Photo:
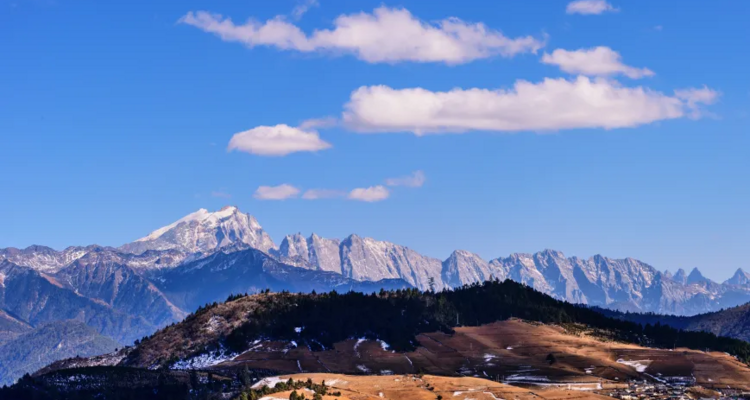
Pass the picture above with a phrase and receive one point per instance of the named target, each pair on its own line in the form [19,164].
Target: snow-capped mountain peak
[205,231]
[740,277]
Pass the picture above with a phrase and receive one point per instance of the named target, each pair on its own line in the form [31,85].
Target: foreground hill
[499,330]
[318,321]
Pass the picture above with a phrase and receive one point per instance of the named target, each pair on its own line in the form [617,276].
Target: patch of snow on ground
[356,345]
[526,378]
[489,357]
[271,381]
[213,323]
[294,343]
[386,372]
[363,368]
[299,329]
[639,365]
[204,360]
[509,348]
[384,345]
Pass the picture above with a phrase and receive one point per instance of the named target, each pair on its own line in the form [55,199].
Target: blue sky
[116,118]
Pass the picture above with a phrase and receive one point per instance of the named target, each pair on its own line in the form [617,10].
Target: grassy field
[513,351]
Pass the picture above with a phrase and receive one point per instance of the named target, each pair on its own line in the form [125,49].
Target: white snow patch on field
[526,378]
[639,365]
[204,360]
[271,381]
[363,368]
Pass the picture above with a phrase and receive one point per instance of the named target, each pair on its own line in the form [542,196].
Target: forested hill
[396,317]
[732,322]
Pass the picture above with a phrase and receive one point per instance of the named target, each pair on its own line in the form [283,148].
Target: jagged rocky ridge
[627,284]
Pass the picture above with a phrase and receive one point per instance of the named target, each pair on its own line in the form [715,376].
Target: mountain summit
[740,277]
[204,231]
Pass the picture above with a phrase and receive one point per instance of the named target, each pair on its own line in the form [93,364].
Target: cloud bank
[387,35]
[370,194]
[597,61]
[416,179]
[281,192]
[549,105]
[278,140]
[590,7]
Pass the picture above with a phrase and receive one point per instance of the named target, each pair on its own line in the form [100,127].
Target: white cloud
[370,194]
[550,105]
[388,35]
[694,98]
[595,61]
[325,122]
[278,140]
[303,7]
[416,179]
[281,192]
[221,195]
[590,7]
[318,194]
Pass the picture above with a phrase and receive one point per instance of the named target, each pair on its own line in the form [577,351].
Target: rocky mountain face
[43,258]
[102,277]
[740,278]
[213,278]
[627,284]
[362,259]
[36,299]
[204,232]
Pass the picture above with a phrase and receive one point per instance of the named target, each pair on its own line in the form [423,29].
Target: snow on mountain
[204,231]
[373,260]
[696,277]
[680,276]
[625,284]
[43,258]
[315,252]
[463,267]
[740,278]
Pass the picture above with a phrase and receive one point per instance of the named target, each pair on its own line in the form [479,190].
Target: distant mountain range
[128,292]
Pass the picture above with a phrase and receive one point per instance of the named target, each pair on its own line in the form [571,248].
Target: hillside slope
[319,321]
[31,351]
[733,322]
